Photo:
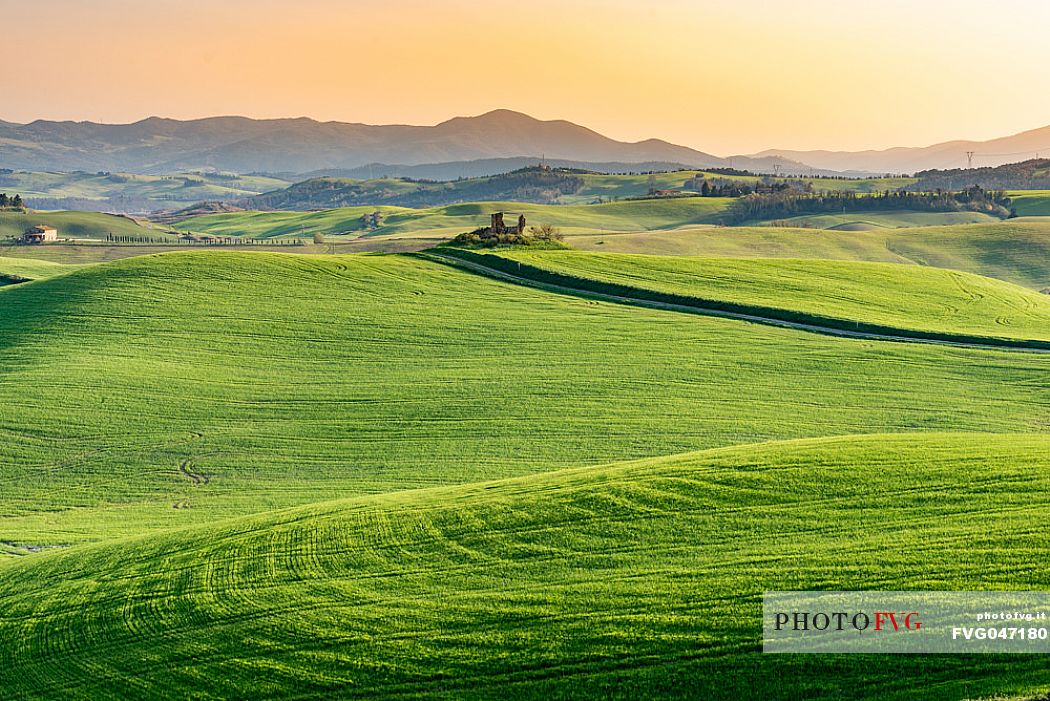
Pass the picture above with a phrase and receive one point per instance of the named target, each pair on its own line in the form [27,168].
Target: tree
[16,201]
[318,238]
[546,233]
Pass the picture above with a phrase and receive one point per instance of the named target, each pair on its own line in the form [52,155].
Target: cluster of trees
[978,199]
[13,202]
[372,221]
[1033,174]
[546,232]
[118,238]
[790,203]
[732,171]
[219,175]
[724,187]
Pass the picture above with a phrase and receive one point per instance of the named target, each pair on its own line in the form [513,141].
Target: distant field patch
[856,226]
[884,220]
[140,192]
[79,225]
[1015,250]
[29,268]
[1031,203]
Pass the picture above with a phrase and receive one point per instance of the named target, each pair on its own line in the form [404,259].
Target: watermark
[905,622]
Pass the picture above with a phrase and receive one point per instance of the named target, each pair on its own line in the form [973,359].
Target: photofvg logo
[905,622]
[860,621]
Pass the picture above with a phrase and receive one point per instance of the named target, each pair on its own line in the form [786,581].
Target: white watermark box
[906,622]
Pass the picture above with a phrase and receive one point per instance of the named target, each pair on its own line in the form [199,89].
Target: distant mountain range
[494,142]
[463,147]
[944,156]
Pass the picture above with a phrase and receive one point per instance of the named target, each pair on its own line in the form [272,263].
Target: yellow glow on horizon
[725,79]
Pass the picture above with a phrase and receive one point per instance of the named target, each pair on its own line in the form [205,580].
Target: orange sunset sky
[722,77]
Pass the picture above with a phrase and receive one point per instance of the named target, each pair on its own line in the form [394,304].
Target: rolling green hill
[864,221]
[129,191]
[610,187]
[248,475]
[79,225]
[149,385]
[16,269]
[629,580]
[1016,250]
[439,223]
[1031,203]
[935,301]
[531,184]
[536,185]
[444,222]
[746,242]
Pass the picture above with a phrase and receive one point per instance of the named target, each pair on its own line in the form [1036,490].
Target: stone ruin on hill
[498,228]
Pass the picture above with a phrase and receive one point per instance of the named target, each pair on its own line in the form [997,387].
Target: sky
[722,77]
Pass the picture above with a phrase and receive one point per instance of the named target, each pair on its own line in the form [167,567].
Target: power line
[1036,151]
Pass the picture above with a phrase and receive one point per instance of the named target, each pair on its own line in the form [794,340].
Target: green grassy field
[1031,203]
[102,252]
[746,242]
[931,300]
[403,374]
[247,474]
[1016,250]
[441,223]
[330,192]
[169,191]
[177,190]
[444,222]
[79,225]
[867,221]
[98,252]
[30,268]
[860,184]
[629,580]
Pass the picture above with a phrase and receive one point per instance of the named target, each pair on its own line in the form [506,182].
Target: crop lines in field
[288,476]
